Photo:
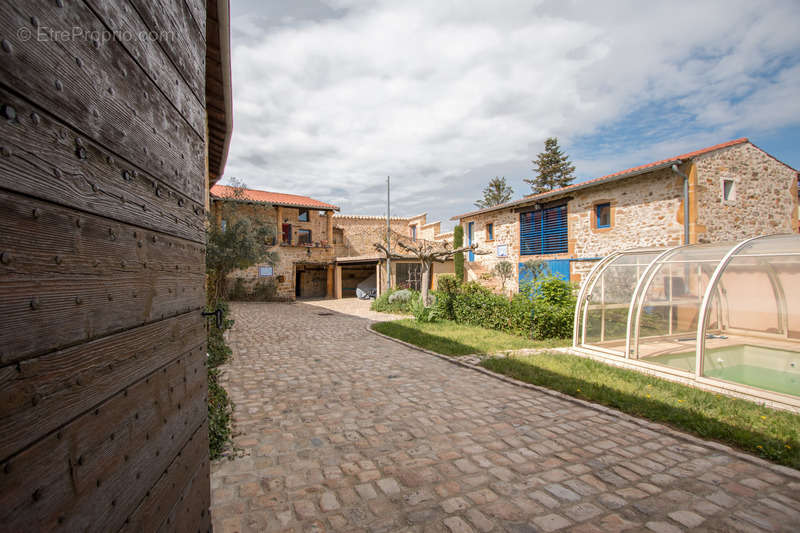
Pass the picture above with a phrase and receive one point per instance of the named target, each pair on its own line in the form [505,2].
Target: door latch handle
[217,313]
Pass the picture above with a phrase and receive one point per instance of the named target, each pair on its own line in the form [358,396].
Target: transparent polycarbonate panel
[670,305]
[608,299]
[788,272]
[753,337]
[771,245]
[749,290]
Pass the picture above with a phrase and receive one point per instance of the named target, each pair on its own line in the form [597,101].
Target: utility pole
[388,240]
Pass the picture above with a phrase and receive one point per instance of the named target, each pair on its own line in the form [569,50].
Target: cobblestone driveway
[341,430]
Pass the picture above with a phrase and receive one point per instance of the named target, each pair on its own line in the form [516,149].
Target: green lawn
[772,434]
[449,338]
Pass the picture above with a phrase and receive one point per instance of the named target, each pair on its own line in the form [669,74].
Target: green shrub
[458,259]
[555,291]
[448,283]
[505,271]
[478,306]
[384,304]
[448,287]
[220,410]
[553,308]
[421,312]
[220,407]
[521,316]
[552,321]
[542,310]
[400,297]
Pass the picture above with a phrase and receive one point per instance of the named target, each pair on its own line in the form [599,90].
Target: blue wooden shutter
[544,231]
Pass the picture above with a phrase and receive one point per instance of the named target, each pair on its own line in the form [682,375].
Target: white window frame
[731,199]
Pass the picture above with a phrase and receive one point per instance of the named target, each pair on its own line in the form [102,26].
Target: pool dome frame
[705,278]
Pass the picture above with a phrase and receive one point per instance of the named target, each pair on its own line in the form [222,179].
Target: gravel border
[647,424]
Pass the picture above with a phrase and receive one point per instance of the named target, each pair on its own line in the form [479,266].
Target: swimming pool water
[757,366]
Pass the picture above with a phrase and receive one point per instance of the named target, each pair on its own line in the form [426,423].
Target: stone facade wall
[284,271]
[426,231]
[647,211]
[506,233]
[764,198]
[356,235]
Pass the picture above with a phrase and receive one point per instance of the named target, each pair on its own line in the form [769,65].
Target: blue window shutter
[543,232]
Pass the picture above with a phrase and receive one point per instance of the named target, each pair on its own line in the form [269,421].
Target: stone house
[357,260]
[321,254]
[303,239]
[726,192]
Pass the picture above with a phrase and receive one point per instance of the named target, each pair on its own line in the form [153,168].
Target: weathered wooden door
[102,188]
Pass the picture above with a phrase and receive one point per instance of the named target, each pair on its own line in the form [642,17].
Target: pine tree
[552,167]
[496,193]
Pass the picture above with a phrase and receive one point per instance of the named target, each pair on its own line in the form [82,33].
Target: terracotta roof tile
[275,198]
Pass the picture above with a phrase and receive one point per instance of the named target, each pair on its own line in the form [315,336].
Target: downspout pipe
[677,171]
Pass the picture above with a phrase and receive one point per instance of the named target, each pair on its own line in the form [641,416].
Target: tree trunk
[426,280]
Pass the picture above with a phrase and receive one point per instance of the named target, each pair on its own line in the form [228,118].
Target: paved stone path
[341,430]
[355,307]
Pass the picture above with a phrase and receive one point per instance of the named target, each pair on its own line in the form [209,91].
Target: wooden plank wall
[103,418]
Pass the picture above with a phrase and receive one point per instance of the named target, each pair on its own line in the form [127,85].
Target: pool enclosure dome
[724,315]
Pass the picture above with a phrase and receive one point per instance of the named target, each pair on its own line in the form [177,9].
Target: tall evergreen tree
[458,259]
[553,168]
[496,193]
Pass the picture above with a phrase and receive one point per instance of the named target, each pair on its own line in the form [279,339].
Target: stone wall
[647,211]
[284,271]
[644,212]
[506,233]
[356,235]
[764,199]
[426,231]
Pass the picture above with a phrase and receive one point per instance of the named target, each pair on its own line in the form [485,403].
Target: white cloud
[437,93]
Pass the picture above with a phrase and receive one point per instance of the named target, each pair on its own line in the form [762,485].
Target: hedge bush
[542,310]
[402,305]
[400,297]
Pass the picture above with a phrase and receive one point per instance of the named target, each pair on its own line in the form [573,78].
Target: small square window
[728,190]
[303,215]
[265,271]
[603,214]
[304,236]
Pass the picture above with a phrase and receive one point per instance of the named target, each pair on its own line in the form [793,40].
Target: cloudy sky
[331,96]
